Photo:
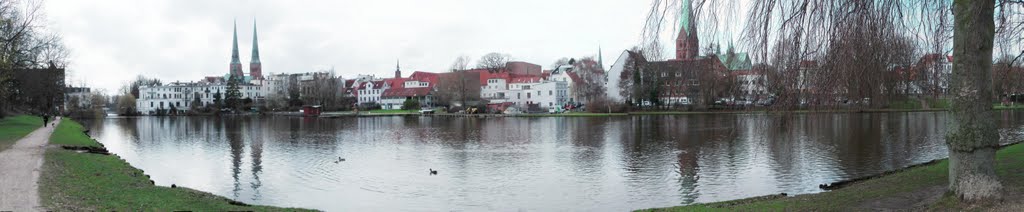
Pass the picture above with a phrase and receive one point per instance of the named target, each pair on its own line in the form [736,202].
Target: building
[932,74]
[419,86]
[39,89]
[77,97]
[181,96]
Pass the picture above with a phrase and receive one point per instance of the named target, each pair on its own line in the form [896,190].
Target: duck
[340,160]
[433,172]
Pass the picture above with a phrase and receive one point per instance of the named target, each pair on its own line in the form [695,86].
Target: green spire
[234,45]
[255,45]
[686,16]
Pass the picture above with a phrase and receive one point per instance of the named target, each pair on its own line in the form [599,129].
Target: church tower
[687,43]
[398,69]
[236,65]
[255,69]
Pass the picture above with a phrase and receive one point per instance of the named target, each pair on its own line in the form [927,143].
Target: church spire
[236,64]
[255,45]
[600,57]
[398,69]
[255,68]
[687,43]
[686,18]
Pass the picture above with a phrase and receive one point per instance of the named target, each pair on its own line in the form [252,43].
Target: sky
[112,41]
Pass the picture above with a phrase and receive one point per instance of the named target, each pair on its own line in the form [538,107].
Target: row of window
[369,99]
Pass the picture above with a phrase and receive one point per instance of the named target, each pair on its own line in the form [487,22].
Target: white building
[612,86]
[181,96]
[370,92]
[526,91]
[495,90]
[751,85]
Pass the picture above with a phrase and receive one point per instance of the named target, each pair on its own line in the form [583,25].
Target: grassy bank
[572,114]
[16,127]
[1008,107]
[72,181]
[920,188]
[395,111]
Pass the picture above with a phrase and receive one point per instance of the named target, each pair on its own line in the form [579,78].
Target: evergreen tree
[217,99]
[233,97]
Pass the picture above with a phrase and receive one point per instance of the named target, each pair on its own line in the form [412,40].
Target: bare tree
[24,43]
[324,89]
[560,62]
[493,62]
[459,86]
[592,80]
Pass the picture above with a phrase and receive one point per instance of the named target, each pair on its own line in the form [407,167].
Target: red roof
[406,92]
[525,79]
[486,75]
[575,77]
[424,77]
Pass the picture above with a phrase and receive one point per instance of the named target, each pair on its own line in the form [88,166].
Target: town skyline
[299,43]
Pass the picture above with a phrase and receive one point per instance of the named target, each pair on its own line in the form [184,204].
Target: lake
[532,164]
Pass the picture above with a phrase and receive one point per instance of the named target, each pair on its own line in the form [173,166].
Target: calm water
[533,164]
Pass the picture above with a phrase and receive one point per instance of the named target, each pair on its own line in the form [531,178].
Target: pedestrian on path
[46,120]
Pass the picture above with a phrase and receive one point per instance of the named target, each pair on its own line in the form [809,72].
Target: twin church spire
[255,68]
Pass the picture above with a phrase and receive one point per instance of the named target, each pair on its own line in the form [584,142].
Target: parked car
[512,111]
[426,111]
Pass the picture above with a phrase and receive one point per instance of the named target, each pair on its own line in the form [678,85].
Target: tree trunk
[972,138]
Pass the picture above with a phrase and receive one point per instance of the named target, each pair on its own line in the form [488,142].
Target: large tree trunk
[972,139]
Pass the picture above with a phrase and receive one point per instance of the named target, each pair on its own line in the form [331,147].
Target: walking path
[19,171]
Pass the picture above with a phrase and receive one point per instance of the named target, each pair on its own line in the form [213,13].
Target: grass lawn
[920,188]
[572,114]
[909,104]
[72,181]
[394,111]
[16,127]
[999,106]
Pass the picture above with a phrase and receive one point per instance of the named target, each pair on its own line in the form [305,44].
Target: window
[550,93]
[528,95]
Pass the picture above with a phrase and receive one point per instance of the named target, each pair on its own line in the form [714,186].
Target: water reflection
[547,164]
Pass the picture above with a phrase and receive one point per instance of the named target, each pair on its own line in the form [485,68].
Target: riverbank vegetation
[919,188]
[16,127]
[75,181]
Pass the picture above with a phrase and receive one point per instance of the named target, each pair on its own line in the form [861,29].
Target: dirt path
[19,171]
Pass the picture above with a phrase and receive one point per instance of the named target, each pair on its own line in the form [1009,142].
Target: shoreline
[341,114]
[901,189]
[78,173]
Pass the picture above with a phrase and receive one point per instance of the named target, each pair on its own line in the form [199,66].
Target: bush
[411,104]
[369,106]
[604,105]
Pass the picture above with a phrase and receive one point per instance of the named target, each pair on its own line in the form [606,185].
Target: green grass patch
[1010,168]
[999,106]
[938,103]
[909,104]
[16,127]
[69,133]
[72,181]
[572,114]
[394,111]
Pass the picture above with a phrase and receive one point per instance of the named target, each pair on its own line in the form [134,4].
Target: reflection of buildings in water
[649,156]
[232,132]
[256,135]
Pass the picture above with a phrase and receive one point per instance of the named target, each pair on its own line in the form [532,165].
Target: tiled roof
[406,92]
[525,79]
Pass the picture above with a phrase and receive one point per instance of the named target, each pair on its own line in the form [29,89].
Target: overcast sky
[112,41]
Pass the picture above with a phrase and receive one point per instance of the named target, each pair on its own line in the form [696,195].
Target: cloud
[114,40]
